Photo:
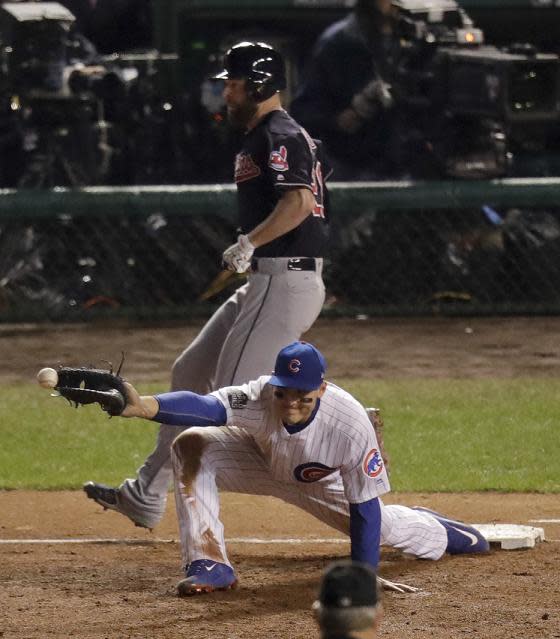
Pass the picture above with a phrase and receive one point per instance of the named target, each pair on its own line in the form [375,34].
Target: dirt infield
[126,588]
[382,348]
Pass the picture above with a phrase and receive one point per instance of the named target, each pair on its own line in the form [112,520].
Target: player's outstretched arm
[144,406]
[178,408]
[83,385]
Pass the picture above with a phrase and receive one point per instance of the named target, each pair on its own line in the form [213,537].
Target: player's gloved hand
[238,256]
[83,385]
[374,96]
[395,586]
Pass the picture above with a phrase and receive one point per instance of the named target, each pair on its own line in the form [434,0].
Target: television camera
[71,117]
[41,119]
[466,108]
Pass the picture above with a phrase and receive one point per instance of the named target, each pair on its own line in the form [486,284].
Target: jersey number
[317,187]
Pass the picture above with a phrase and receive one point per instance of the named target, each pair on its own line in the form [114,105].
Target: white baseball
[47,377]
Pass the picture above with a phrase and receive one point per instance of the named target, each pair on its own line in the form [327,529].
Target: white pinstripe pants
[209,459]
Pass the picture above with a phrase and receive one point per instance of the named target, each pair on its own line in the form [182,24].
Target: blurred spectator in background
[345,98]
[82,10]
[114,25]
[349,605]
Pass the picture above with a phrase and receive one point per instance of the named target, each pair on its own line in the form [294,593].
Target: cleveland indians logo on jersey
[312,471]
[373,463]
[245,168]
[278,159]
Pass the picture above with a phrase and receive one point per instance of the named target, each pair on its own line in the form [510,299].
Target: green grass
[458,435]
[47,444]
[442,435]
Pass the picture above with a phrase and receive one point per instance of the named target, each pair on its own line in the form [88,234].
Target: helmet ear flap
[260,91]
[253,90]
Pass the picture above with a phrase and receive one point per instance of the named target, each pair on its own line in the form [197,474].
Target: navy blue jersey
[277,155]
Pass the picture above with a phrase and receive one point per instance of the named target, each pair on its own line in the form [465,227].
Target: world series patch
[237,399]
[245,168]
[312,471]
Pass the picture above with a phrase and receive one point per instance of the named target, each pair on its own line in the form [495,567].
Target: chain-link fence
[472,248]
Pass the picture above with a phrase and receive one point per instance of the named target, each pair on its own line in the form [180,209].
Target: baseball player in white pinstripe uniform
[294,436]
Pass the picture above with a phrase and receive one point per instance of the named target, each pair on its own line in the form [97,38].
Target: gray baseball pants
[239,343]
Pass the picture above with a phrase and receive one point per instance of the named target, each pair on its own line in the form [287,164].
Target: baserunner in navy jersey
[282,208]
[294,436]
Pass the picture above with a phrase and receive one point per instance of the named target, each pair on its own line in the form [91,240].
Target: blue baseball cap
[299,365]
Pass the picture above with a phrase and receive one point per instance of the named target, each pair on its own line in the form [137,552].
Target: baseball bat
[218,284]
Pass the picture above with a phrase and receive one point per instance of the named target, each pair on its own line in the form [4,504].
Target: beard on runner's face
[240,114]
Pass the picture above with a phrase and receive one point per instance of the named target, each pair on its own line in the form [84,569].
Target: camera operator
[114,25]
[81,10]
[121,25]
[345,98]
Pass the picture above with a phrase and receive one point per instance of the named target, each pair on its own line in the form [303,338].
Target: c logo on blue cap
[294,366]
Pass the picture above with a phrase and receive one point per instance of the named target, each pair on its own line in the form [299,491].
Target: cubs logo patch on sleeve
[373,463]
[312,471]
[278,159]
[237,399]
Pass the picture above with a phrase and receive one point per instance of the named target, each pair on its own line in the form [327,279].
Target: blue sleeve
[365,531]
[183,408]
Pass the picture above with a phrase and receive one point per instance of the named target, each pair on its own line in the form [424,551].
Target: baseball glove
[92,385]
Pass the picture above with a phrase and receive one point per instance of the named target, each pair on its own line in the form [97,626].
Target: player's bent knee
[188,448]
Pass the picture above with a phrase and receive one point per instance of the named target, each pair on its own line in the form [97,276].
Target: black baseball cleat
[461,538]
[103,495]
[108,497]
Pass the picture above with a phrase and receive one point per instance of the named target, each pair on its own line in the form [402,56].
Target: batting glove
[238,256]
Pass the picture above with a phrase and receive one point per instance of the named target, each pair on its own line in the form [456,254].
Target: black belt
[292,264]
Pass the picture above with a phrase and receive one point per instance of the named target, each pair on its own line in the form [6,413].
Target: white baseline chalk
[142,542]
